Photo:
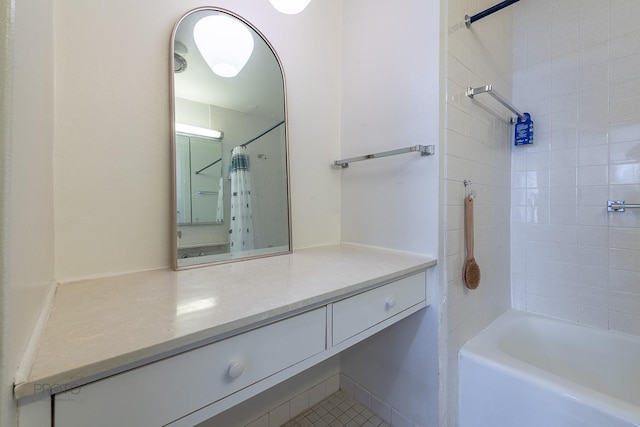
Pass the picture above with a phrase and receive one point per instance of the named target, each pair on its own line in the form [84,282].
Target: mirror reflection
[230,162]
[200,185]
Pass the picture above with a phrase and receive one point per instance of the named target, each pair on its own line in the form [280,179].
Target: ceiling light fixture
[290,7]
[225,43]
[195,130]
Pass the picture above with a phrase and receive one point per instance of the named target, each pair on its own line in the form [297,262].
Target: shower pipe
[468,20]
[243,145]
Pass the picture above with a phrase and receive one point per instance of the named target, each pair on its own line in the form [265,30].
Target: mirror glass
[231,196]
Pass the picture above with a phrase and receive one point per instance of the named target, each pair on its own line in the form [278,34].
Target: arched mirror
[229,143]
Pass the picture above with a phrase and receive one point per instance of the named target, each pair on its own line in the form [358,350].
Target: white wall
[104,184]
[578,74]
[478,148]
[26,193]
[390,99]
[112,127]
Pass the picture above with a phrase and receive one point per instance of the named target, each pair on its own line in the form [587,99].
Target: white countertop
[102,326]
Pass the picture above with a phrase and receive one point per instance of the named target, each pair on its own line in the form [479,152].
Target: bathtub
[527,370]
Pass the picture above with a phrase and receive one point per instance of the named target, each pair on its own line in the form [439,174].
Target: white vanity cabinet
[161,392]
[358,313]
[310,306]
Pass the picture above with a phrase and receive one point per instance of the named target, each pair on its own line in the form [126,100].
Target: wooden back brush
[471,269]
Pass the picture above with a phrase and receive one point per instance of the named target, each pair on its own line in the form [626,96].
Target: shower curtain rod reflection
[243,145]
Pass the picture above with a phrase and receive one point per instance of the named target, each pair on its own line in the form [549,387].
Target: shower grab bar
[620,206]
[207,193]
[468,20]
[471,92]
[424,150]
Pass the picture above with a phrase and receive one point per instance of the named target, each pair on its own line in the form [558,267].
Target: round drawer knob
[235,369]
[389,303]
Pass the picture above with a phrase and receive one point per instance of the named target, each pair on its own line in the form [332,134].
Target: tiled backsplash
[578,73]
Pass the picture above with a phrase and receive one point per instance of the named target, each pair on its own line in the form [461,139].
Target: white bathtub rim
[483,349]
[556,384]
[516,313]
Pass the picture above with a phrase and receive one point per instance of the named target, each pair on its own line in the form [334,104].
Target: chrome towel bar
[471,92]
[424,150]
[620,206]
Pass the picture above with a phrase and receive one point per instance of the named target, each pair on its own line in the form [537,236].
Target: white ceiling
[257,89]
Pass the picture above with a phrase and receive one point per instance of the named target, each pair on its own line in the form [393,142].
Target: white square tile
[592,195]
[593,155]
[624,322]
[589,275]
[624,131]
[563,177]
[624,280]
[299,404]
[263,421]
[625,107]
[622,14]
[560,214]
[399,420]
[593,256]
[624,259]
[593,236]
[279,415]
[362,395]
[625,152]
[593,316]
[624,173]
[381,408]
[332,384]
[624,302]
[592,175]
[624,238]
[593,297]
[563,196]
[317,393]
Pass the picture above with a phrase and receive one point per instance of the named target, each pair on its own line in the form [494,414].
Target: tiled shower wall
[477,148]
[577,70]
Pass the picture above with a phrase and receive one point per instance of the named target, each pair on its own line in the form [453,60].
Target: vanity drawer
[360,312]
[158,393]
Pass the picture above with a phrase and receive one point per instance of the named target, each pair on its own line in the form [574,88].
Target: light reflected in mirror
[231,197]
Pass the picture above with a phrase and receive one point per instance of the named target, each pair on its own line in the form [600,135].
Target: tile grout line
[337,410]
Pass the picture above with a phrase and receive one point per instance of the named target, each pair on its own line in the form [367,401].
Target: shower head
[179,63]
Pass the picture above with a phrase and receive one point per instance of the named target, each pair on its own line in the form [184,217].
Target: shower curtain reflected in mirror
[241,221]
[220,205]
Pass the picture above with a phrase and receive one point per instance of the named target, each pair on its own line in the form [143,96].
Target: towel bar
[620,206]
[425,150]
[471,92]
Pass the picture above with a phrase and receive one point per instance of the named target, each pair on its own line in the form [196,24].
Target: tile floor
[337,410]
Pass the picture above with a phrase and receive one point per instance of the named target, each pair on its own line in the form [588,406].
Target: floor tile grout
[337,410]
